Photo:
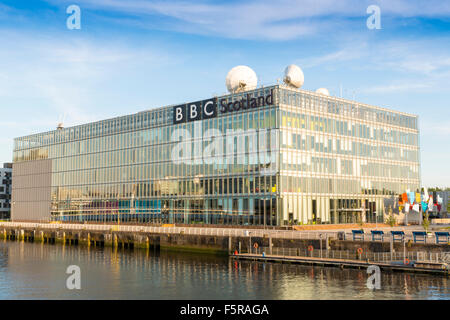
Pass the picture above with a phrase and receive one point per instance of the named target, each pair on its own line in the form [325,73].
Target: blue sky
[138,54]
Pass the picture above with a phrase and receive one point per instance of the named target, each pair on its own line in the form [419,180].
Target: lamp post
[404,250]
[118,210]
[376,220]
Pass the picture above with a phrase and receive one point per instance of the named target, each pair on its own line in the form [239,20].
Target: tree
[426,222]
[390,220]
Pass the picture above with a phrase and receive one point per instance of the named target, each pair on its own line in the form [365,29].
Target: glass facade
[302,158]
[340,158]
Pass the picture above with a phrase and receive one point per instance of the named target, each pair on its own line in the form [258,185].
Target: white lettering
[374,21]
[179,114]
[73,21]
[374,281]
[193,111]
[206,110]
[74,280]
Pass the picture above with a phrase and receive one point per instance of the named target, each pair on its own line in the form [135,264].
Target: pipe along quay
[279,246]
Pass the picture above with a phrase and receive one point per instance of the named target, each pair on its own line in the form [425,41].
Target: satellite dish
[241,78]
[293,76]
[323,91]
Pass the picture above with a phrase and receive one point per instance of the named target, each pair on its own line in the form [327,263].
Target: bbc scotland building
[281,156]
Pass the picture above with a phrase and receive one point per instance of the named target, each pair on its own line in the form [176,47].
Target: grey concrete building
[5,191]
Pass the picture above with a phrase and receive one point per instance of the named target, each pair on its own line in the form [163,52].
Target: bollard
[115,244]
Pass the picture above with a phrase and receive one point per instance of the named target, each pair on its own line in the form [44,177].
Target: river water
[38,271]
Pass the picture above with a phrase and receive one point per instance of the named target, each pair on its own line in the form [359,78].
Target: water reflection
[37,271]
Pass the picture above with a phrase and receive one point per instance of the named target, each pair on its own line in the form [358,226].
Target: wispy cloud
[411,65]
[344,54]
[65,75]
[391,88]
[262,19]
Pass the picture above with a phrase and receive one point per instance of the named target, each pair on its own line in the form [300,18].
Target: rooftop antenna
[60,124]
[340,90]
[293,76]
[323,91]
[241,78]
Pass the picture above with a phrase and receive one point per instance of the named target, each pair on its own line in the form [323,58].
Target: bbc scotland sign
[207,109]
[193,111]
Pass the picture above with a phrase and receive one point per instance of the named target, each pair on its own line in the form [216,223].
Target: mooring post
[115,240]
[270,245]
[229,243]
[89,239]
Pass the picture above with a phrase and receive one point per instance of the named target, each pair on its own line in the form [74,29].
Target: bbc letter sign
[193,111]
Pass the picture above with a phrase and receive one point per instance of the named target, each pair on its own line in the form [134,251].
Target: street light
[376,220]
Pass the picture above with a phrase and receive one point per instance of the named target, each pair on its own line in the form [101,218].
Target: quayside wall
[208,240]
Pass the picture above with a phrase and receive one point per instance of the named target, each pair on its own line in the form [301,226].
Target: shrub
[390,220]
[426,223]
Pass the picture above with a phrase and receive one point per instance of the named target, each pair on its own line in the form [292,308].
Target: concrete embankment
[209,240]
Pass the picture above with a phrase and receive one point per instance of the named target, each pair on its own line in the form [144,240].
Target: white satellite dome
[293,76]
[323,91]
[241,78]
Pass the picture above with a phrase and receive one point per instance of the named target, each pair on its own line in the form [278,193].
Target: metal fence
[225,232]
[412,256]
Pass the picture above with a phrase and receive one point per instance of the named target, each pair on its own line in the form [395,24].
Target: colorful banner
[425,193]
[424,206]
[430,204]
[418,197]
[407,205]
[404,197]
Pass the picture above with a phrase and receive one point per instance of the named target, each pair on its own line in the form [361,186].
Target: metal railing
[225,232]
[388,257]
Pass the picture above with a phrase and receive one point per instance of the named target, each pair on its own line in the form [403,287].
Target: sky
[129,56]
